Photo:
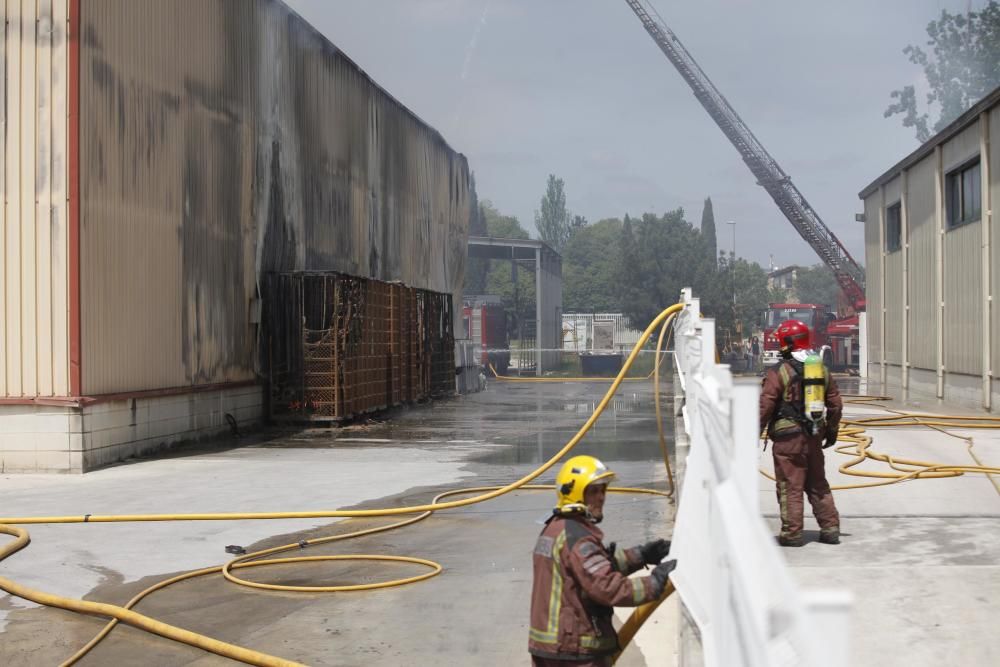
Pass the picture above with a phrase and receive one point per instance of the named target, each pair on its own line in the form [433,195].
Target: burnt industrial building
[204,200]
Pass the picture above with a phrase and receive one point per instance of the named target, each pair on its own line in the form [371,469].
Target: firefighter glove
[655,551]
[831,438]
[661,572]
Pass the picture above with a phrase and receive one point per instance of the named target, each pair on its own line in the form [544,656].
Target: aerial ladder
[850,276]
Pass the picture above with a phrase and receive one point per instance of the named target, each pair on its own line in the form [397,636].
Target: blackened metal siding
[223,139]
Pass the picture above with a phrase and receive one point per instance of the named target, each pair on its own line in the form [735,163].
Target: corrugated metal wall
[34,332]
[224,139]
[893,288]
[994,130]
[873,277]
[963,265]
[963,294]
[921,222]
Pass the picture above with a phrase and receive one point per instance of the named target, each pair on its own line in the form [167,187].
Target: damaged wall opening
[339,346]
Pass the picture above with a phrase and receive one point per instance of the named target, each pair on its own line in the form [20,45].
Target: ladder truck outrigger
[838,338]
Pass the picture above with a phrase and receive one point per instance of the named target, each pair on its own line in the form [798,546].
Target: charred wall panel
[226,139]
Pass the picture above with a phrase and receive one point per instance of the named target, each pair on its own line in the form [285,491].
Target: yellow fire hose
[507,378]
[9,525]
[853,432]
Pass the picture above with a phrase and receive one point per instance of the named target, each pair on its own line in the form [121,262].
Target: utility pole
[732,269]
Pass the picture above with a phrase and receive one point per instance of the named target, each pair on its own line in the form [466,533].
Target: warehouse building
[933,264]
[160,168]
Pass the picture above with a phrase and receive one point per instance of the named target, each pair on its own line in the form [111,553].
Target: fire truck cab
[835,339]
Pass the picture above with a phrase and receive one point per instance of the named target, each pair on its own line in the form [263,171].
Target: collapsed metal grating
[339,346]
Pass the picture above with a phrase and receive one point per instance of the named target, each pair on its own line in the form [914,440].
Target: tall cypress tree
[708,231]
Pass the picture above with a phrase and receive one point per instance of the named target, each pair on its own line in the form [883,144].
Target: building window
[893,228]
[963,194]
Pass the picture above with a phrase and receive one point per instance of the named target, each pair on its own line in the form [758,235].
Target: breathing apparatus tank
[814,390]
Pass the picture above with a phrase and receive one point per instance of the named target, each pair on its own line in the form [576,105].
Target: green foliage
[708,229]
[752,296]
[476,268]
[518,298]
[590,266]
[963,66]
[554,222]
[661,255]
[816,284]
[502,226]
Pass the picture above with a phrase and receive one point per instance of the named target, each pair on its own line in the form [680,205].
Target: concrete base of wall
[47,439]
[960,390]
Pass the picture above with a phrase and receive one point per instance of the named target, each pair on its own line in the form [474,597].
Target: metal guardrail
[735,586]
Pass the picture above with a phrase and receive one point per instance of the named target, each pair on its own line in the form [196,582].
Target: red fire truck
[486,324]
[836,339]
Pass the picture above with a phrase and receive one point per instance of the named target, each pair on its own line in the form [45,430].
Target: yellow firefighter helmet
[574,477]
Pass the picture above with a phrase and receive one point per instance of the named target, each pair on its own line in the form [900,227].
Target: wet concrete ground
[475,613]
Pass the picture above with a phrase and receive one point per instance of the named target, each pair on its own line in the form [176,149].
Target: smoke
[470,50]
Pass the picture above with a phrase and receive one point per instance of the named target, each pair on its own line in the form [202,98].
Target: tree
[477,268]
[518,298]
[708,229]
[744,316]
[590,265]
[553,221]
[963,66]
[659,256]
[817,284]
[502,226]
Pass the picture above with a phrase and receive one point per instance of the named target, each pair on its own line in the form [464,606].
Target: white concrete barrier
[732,578]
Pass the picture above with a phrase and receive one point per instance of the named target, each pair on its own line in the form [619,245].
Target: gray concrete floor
[475,613]
[922,558]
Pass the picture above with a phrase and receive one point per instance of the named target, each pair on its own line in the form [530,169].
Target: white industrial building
[933,263]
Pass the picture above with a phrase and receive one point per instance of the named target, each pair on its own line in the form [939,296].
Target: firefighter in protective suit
[801,434]
[577,580]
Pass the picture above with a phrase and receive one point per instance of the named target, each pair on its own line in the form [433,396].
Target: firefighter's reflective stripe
[595,563]
[551,633]
[621,560]
[638,591]
[783,508]
[586,641]
[599,643]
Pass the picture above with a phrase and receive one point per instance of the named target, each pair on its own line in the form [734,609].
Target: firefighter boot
[829,536]
[790,540]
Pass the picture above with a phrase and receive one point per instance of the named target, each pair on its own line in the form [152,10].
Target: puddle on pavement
[633,444]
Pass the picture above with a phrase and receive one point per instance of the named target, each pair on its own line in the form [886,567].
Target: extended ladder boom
[769,174]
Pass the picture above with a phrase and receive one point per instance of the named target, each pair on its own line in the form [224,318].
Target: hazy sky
[525,88]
